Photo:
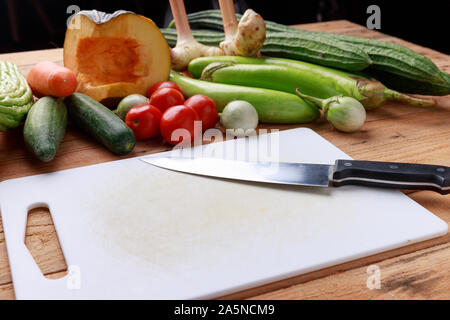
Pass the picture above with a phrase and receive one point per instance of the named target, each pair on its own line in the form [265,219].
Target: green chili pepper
[272,106]
[287,75]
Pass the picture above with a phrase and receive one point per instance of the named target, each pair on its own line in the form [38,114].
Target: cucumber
[387,57]
[101,123]
[45,127]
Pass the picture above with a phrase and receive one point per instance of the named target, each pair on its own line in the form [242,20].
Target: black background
[41,23]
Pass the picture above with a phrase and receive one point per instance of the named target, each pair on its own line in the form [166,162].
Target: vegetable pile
[117,84]
[398,67]
[168,114]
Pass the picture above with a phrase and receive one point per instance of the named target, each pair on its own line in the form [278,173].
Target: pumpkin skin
[115,55]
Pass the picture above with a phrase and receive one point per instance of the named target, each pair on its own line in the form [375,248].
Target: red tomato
[163,84]
[206,109]
[179,117]
[144,121]
[165,98]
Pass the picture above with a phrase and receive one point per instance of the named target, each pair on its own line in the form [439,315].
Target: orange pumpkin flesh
[123,55]
[107,60]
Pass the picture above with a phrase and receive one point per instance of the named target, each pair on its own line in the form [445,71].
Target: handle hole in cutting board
[43,244]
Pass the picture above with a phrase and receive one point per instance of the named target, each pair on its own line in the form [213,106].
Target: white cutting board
[131,230]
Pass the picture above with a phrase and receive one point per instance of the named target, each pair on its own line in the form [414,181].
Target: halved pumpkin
[115,55]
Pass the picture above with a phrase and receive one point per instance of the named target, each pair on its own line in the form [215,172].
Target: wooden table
[393,132]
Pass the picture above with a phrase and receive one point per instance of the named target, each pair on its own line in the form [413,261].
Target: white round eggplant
[239,114]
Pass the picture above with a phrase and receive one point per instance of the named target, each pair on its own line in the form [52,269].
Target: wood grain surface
[394,132]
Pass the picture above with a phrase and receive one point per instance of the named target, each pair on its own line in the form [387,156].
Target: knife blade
[342,172]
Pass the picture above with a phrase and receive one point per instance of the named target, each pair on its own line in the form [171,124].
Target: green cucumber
[45,127]
[101,123]
[272,106]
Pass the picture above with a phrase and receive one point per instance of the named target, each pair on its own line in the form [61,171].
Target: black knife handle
[392,175]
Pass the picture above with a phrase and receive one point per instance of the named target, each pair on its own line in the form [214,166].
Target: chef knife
[343,172]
